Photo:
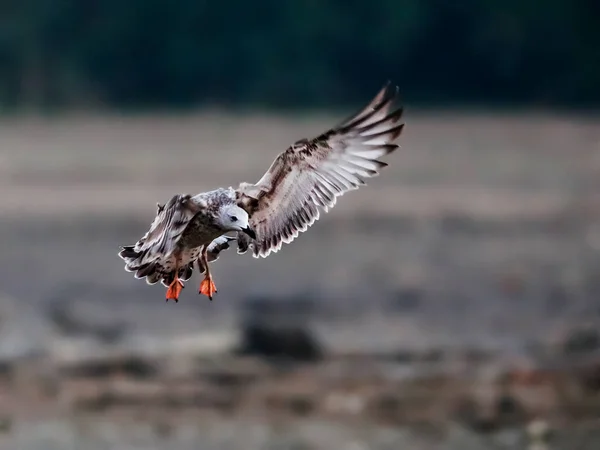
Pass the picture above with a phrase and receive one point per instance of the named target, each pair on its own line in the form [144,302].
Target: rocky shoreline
[243,378]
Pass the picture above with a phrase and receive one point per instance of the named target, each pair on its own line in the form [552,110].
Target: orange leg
[175,287]
[207,286]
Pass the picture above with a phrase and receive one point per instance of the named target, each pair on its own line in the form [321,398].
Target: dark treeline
[177,53]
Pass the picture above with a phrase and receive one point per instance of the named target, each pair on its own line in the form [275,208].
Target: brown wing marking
[311,174]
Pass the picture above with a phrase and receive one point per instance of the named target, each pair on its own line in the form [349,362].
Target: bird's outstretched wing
[311,174]
[160,240]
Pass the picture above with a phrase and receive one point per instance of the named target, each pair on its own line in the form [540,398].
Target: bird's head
[233,218]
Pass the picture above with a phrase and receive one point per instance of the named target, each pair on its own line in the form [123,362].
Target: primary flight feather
[189,231]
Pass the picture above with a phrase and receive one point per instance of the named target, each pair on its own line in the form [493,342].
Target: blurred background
[451,304]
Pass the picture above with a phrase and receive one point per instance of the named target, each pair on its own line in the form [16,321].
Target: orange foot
[174,289]
[207,287]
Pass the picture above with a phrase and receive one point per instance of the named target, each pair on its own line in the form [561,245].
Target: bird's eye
[233,218]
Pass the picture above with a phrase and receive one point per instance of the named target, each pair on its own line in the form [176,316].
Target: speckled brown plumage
[303,180]
[312,173]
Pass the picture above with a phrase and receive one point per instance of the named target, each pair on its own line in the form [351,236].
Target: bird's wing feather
[311,174]
[165,231]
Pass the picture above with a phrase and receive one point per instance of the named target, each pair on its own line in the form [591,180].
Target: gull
[191,230]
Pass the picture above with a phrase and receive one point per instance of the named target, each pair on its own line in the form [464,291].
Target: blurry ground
[475,257]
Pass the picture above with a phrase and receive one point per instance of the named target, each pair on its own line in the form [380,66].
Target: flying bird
[189,231]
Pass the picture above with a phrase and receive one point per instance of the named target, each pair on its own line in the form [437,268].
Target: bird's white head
[233,218]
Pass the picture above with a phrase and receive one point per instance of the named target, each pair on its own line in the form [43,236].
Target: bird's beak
[250,232]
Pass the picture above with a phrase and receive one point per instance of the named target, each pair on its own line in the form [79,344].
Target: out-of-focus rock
[589,376]
[408,299]
[581,341]
[295,404]
[488,406]
[6,424]
[7,371]
[122,365]
[467,413]
[281,342]
[276,328]
[509,411]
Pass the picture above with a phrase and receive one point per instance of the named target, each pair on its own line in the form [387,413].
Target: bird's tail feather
[154,272]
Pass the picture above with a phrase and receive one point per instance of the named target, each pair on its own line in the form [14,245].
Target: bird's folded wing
[168,226]
[311,174]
